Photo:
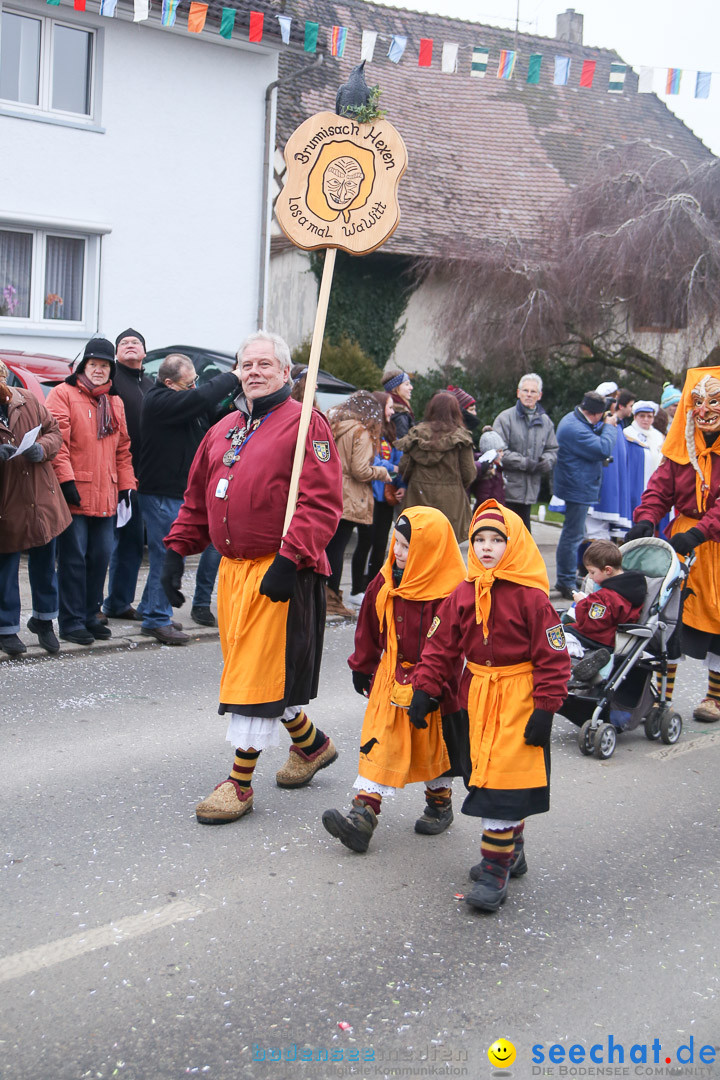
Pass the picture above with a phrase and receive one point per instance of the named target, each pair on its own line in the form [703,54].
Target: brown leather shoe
[128,615]
[708,711]
[334,604]
[227,802]
[166,635]
[300,768]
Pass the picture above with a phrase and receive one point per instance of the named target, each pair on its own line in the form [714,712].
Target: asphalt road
[139,944]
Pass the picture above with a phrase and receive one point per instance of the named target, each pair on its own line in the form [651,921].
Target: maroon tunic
[523,626]
[247,523]
[598,616]
[674,485]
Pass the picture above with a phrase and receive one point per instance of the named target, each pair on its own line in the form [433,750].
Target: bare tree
[635,248]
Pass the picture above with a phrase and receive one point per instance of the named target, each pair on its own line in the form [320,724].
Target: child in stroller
[635,689]
[594,617]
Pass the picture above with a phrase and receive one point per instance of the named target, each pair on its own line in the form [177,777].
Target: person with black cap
[586,438]
[132,384]
[94,468]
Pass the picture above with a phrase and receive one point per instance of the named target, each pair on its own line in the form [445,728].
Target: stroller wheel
[670,727]
[586,739]
[605,739]
[652,724]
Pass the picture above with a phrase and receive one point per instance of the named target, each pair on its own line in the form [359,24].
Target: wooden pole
[310,384]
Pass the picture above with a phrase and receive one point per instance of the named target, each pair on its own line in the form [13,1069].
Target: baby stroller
[628,696]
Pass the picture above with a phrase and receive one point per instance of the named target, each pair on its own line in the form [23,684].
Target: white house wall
[176,174]
[292,298]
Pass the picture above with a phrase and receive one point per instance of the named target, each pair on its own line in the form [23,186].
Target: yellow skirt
[392,751]
[253,632]
[499,705]
[701,609]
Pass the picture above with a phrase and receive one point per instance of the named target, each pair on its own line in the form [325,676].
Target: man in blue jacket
[586,438]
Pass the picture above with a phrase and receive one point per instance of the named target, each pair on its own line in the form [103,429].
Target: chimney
[569,27]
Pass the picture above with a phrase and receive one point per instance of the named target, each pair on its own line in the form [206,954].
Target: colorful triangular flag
[285,24]
[169,11]
[426,49]
[506,64]
[702,84]
[107,7]
[534,65]
[562,70]
[398,45]
[338,37]
[196,17]
[257,21]
[587,73]
[616,81]
[672,83]
[449,58]
[311,36]
[79,5]
[367,49]
[227,22]
[479,64]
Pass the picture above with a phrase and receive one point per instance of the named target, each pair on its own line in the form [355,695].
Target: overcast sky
[647,33]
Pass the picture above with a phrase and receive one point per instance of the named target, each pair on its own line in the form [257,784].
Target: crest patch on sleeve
[556,638]
[597,611]
[433,626]
[322,449]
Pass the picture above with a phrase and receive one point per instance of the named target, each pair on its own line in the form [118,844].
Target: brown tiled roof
[487,157]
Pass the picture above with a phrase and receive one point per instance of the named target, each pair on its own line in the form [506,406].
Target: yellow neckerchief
[433,569]
[521,562]
[675,447]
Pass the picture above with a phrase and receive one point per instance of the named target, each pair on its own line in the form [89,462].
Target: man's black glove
[278,583]
[171,577]
[71,493]
[34,453]
[639,530]
[538,727]
[420,706]
[7,450]
[124,496]
[685,542]
[361,683]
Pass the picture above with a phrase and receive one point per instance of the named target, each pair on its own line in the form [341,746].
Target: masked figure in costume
[689,480]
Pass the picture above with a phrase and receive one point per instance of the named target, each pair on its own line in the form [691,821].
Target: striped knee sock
[714,685]
[304,734]
[499,847]
[244,766]
[671,673]
[371,799]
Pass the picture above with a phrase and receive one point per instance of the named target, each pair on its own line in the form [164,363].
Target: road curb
[117,643]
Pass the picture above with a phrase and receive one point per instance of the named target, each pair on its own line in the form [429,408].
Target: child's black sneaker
[436,817]
[587,668]
[355,830]
[490,889]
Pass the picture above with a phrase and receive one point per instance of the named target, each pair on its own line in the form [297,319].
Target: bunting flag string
[480,55]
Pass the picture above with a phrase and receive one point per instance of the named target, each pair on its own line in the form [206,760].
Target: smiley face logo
[501,1053]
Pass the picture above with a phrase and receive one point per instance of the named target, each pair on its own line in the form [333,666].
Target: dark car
[38,372]
[208,363]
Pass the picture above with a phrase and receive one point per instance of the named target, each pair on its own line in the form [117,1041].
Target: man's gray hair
[530,375]
[172,366]
[280,346]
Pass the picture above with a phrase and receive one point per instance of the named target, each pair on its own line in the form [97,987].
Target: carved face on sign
[341,182]
[705,400]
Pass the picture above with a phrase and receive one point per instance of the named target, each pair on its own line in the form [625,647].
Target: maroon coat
[523,626]
[247,522]
[32,507]
[674,485]
[620,600]
[413,619]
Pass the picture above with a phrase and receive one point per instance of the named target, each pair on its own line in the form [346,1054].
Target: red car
[38,372]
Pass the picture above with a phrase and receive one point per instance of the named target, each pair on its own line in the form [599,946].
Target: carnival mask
[341,182]
[705,402]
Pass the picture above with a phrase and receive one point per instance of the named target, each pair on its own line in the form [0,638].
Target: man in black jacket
[132,384]
[175,416]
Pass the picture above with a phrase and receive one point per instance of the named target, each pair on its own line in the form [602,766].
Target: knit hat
[490,518]
[464,399]
[404,527]
[670,395]
[593,402]
[98,348]
[606,389]
[130,333]
[490,440]
[645,406]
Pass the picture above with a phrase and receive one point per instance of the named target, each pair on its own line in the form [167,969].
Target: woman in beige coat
[438,462]
[356,428]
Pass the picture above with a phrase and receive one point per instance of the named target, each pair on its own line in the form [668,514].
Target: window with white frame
[46,65]
[46,276]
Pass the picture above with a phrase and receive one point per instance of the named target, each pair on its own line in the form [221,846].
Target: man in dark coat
[132,384]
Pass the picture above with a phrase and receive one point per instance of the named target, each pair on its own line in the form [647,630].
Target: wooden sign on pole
[340,191]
